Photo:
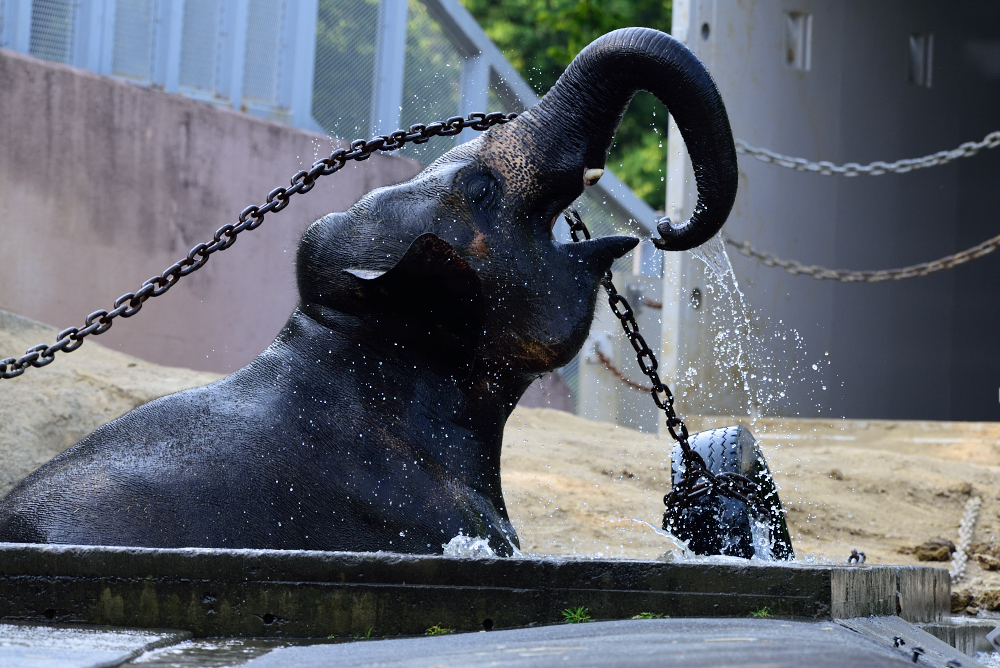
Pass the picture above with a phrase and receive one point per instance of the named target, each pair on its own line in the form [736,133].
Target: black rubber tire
[717,524]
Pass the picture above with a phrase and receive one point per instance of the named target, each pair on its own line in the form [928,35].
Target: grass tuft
[651,615]
[576,615]
[762,612]
[438,630]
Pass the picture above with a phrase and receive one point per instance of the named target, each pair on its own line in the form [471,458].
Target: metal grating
[201,45]
[602,223]
[134,39]
[51,35]
[344,72]
[432,79]
[262,57]
[494,103]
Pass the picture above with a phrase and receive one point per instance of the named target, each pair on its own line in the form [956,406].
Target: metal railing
[349,68]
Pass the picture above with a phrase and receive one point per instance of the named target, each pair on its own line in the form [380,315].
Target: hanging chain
[966,150]
[250,218]
[696,478]
[617,373]
[875,276]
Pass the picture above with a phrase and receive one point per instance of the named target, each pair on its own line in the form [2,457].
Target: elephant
[374,421]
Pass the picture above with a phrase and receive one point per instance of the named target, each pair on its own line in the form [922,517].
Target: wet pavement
[691,643]
[27,646]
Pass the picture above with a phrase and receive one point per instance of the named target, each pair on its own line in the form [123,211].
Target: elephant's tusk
[592,176]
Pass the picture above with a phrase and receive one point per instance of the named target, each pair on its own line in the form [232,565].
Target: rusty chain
[250,218]
[966,150]
[617,373]
[696,478]
[875,276]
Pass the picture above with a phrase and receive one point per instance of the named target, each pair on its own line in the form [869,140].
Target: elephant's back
[141,479]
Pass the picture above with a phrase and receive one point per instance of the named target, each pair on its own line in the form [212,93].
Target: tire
[717,524]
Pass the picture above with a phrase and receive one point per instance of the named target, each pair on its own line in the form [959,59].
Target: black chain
[696,479]
[250,218]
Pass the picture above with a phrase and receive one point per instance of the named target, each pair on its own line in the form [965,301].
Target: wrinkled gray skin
[374,420]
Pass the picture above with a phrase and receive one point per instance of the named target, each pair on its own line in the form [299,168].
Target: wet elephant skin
[374,421]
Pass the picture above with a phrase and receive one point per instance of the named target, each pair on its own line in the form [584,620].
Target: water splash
[468,547]
[759,359]
[473,547]
[731,343]
[763,543]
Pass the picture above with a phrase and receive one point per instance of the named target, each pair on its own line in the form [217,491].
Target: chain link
[877,276]
[250,218]
[696,478]
[966,150]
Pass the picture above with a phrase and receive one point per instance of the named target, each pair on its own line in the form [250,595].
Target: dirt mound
[883,487]
[46,410]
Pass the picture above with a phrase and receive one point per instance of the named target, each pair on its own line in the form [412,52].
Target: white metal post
[106,45]
[170,53]
[390,58]
[233,51]
[6,22]
[20,28]
[678,206]
[89,37]
[299,67]
[475,90]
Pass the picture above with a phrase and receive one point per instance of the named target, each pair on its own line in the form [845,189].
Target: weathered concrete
[106,183]
[27,646]
[691,643]
[921,646]
[315,594]
[967,634]
[854,103]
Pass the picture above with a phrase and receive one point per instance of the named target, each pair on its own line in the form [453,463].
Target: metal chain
[250,218]
[696,479]
[877,276]
[617,373]
[966,150]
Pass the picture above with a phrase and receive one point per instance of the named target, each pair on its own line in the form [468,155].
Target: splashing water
[468,547]
[763,543]
[679,552]
[472,547]
[730,347]
[759,359]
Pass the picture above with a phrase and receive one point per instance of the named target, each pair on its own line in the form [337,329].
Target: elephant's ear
[430,301]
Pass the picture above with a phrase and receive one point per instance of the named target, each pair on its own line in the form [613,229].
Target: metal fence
[347,68]
[52,29]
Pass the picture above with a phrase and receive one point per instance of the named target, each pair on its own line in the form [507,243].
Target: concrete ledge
[966,634]
[316,594]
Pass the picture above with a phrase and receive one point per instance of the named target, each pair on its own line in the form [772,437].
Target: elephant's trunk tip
[681,237]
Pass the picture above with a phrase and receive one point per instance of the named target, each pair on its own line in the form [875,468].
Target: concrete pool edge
[262,593]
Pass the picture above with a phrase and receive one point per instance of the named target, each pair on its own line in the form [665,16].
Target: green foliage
[651,615]
[438,630]
[576,615]
[370,633]
[541,37]
[762,612]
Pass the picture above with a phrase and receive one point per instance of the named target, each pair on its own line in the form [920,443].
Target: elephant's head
[460,265]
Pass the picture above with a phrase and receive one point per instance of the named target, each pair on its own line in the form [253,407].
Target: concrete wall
[921,348]
[104,184]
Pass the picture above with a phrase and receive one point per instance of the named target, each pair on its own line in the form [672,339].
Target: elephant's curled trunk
[578,117]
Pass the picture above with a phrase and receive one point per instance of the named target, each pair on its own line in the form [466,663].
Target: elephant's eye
[479,188]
